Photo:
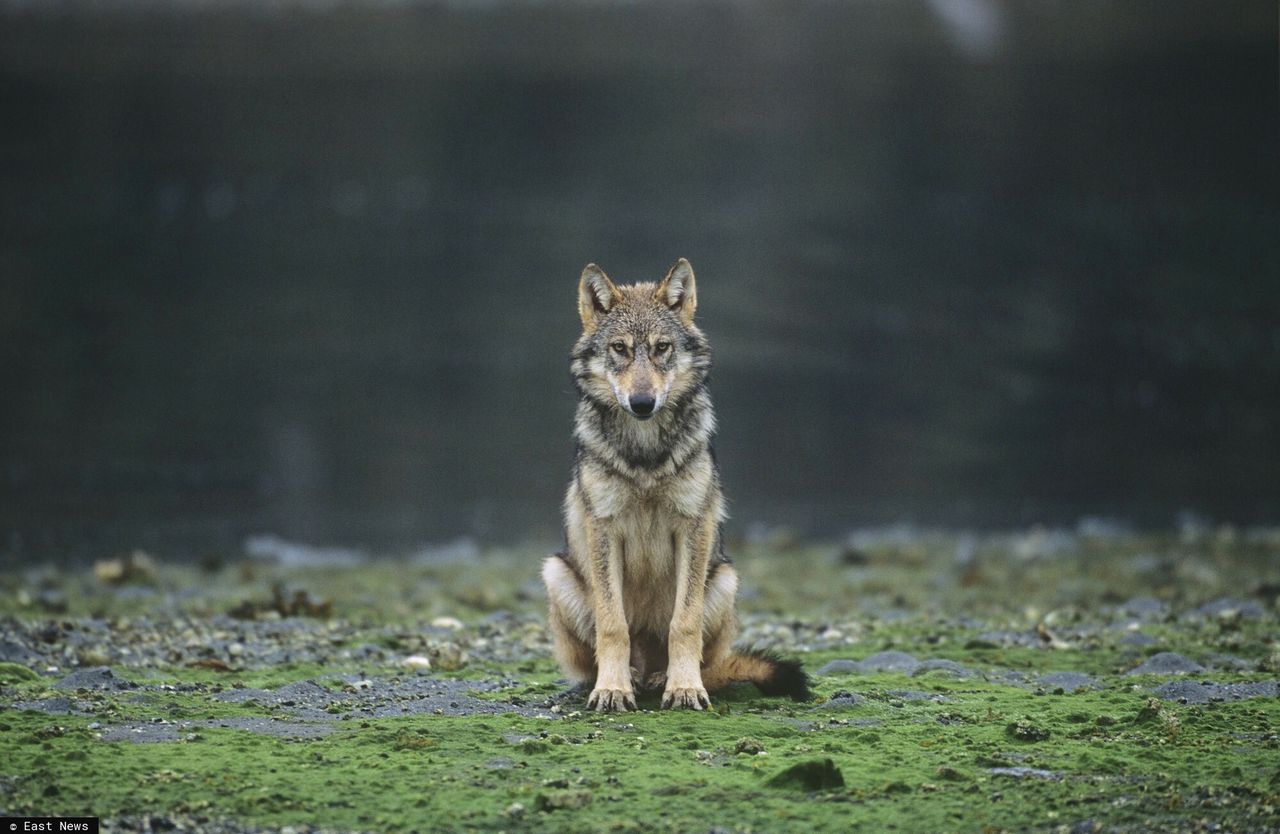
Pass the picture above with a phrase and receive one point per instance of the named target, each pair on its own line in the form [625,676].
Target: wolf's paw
[611,700]
[656,680]
[687,697]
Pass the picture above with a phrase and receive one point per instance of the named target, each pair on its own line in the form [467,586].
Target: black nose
[642,405]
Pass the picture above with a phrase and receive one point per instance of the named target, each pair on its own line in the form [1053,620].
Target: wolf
[642,596]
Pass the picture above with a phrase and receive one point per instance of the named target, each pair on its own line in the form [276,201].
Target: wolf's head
[640,350]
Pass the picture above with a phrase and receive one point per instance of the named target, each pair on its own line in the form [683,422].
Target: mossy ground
[927,752]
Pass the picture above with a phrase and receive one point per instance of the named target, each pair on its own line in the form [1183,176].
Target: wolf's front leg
[684,639]
[613,690]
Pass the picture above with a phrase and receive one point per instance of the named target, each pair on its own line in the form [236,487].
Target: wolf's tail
[772,675]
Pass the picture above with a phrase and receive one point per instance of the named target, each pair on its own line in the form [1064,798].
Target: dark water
[312,271]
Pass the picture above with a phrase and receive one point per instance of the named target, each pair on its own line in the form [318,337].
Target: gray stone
[1204,692]
[11,652]
[844,700]
[1167,663]
[49,706]
[946,667]
[1247,609]
[890,661]
[1026,773]
[839,667]
[97,678]
[1230,663]
[1147,609]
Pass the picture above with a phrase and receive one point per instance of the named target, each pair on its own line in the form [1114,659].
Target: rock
[1194,692]
[946,667]
[11,652]
[451,623]
[844,700]
[309,691]
[1137,638]
[98,678]
[1067,681]
[53,600]
[816,775]
[451,657]
[1026,773]
[748,745]
[890,661]
[1230,663]
[416,661]
[1167,663]
[1146,609]
[839,667]
[49,706]
[1245,609]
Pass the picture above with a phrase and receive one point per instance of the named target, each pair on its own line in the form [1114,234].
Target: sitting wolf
[643,595]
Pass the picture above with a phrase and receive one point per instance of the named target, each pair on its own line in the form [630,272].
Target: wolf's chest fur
[647,516]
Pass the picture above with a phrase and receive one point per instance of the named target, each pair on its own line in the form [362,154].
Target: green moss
[975,755]
[921,761]
[12,673]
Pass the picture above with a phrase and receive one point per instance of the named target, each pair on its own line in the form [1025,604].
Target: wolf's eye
[619,348]
[662,347]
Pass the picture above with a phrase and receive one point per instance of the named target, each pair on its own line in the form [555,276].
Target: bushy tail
[772,675]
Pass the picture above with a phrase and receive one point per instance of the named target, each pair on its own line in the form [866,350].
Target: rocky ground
[1077,681]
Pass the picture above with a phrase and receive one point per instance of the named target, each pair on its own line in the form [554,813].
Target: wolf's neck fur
[643,450]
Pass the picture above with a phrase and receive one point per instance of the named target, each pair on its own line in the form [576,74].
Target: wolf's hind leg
[719,621]
[571,620]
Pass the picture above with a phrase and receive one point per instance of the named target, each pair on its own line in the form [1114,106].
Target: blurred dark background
[310,268]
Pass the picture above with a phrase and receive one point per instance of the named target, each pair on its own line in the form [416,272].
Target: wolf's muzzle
[642,405]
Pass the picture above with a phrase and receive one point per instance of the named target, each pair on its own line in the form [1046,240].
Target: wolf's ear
[596,296]
[679,292]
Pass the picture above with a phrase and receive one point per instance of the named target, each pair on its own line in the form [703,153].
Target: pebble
[416,661]
[452,623]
